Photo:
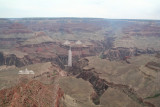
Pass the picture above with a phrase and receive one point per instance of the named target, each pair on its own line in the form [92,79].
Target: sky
[113,9]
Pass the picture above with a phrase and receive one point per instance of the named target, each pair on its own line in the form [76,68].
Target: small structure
[26,71]
[70,57]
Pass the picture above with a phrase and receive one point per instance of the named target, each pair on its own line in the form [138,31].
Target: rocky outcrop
[101,85]
[118,53]
[158,55]
[130,92]
[125,53]
[153,65]
[60,94]
[95,98]
[145,51]
[142,29]
[108,42]
[40,90]
[11,39]
[11,59]
[13,28]
[98,84]
[27,94]
[59,60]
[14,60]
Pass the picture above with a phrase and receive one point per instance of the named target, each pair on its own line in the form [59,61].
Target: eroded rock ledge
[101,85]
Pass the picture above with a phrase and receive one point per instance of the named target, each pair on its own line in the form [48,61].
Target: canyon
[116,58]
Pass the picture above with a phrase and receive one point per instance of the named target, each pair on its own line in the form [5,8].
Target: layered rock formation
[101,85]
[14,60]
[24,42]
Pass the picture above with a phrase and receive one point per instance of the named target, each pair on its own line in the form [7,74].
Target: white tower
[70,57]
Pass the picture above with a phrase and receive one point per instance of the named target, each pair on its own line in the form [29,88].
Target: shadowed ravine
[101,85]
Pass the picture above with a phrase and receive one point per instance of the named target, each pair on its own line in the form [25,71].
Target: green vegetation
[101,56]
[54,73]
[96,100]
[154,96]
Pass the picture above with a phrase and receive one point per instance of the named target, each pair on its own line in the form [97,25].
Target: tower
[70,57]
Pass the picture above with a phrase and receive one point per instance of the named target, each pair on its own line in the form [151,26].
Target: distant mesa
[78,42]
[26,71]
[40,34]
[72,43]
[67,42]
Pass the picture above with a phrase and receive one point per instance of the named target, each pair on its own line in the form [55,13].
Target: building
[26,71]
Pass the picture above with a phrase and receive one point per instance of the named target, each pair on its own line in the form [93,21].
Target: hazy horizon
[75,18]
[110,9]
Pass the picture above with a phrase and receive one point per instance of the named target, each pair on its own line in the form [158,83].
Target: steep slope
[120,78]
[32,93]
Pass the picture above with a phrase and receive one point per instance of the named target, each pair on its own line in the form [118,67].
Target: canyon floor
[115,63]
